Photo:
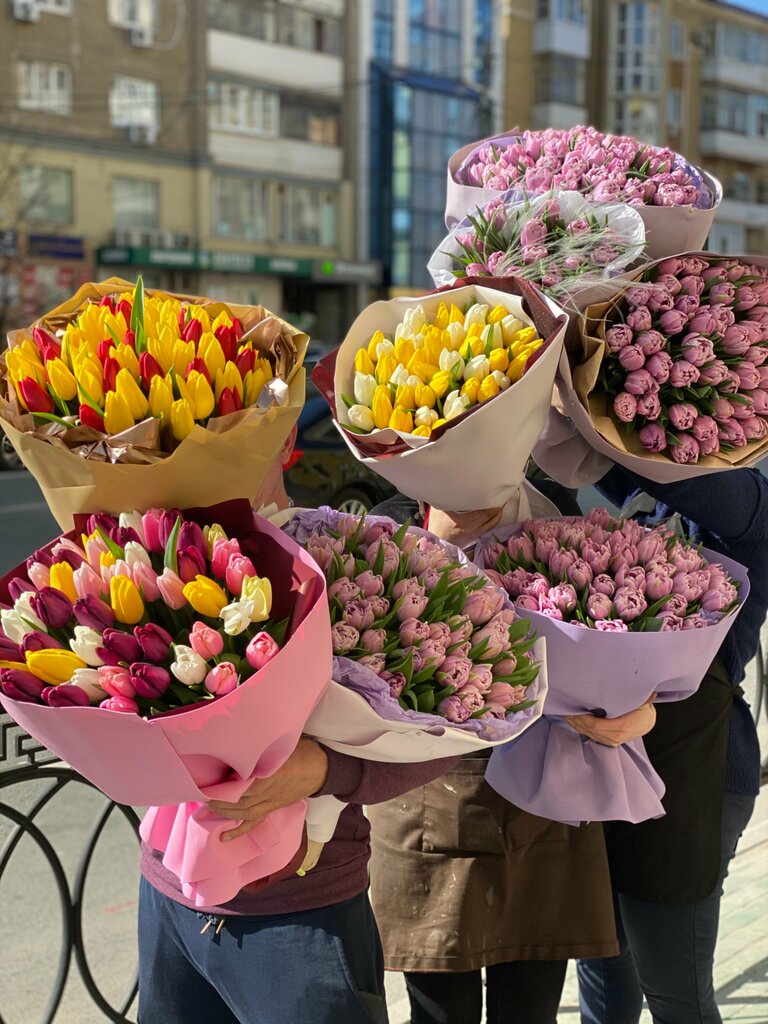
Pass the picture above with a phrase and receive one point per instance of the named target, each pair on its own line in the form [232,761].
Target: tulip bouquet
[418,389]
[144,653]
[671,371]
[560,241]
[604,168]
[430,658]
[147,380]
[626,612]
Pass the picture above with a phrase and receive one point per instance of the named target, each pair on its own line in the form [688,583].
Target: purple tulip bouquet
[559,241]
[626,612]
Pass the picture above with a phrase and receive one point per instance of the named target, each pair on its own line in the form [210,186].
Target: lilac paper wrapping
[555,772]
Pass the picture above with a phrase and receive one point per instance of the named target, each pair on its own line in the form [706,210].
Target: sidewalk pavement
[741,961]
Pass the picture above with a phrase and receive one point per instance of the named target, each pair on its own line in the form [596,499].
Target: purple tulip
[720,598]
[713,373]
[344,638]
[683,374]
[560,563]
[391,556]
[683,415]
[191,536]
[441,632]
[691,285]
[454,672]
[396,682]
[149,681]
[638,295]
[670,623]
[119,645]
[748,375]
[379,606]
[695,622]
[94,613]
[723,409]
[618,337]
[19,586]
[9,651]
[736,340]
[659,366]
[375,662]
[650,342]
[731,432]
[674,320]
[18,684]
[657,584]
[52,607]
[631,576]
[374,640]
[580,574]
[597,556]
[599,606]
[660,299]
[461,628]
[155,642]
[697,349]
[453,709]
[495,636]
[612,626]
[703,323]
[344,590]
[640,319]
[755,428]
[431,654]
[369,584]
[632,357]
[37,641]
[602,584]
[630,603]
[481,678]
[102,522]
[413,631]
[640,382]
[563,596]
[520,549]
[66,695]
[649,406]
[482,605]
[191,564]
[122,535]
[625,407]
[359,615]
[687,449]
[527,602]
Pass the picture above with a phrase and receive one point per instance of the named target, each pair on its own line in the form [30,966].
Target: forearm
[360,781]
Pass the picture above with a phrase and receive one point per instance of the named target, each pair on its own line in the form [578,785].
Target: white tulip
[384,348]
[511,325]
[449,358]
[88,680]
[478,367]
[23,607]
[135,554]
[501,379]
[456,334]
[454,405]
[403,331]
[188,667]
[360,416]
[236,617]
[425,417]
[494,335]
[399,376]
[414,381]
[14,627]
[84,644]
[415,318]
[476,314]
[133,521]
[365,385]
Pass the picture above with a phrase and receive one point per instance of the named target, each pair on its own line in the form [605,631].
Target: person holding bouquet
[668,873]
[304,950]
[461,880]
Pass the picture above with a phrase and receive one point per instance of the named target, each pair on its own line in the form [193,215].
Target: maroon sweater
[342,870]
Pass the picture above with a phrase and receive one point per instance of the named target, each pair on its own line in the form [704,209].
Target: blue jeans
[667,951]
[314,967]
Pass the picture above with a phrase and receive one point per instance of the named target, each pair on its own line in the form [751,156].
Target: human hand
[612,732]
[462,528]
[302,775]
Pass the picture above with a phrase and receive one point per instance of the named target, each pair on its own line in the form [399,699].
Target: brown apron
[461,879]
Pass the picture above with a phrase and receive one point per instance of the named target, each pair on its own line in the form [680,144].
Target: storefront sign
[226,261]
[351,271]
[56,247]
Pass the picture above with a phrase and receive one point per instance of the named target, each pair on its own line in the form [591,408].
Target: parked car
[8,457]
[323,471]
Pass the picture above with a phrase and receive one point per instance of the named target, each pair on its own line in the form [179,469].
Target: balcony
[552,36]
[278,156]
[732,145]
[558,115]
[736,211]
[736,74]
[274,64]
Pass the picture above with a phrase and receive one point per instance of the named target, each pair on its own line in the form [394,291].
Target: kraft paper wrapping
[589,409]
[227,459]
[668,229]
[449,470]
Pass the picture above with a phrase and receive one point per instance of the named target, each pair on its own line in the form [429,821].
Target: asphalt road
[25,522]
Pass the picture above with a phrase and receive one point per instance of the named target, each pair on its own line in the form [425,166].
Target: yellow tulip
[385,367]
[363,362]
[425,395]
[252,385]
[496,315]
[160,397]
[441,382]
[438,423]
[471,390]
[19,366]
[381,407]
[456,316]
[433,346]
[222,320]
[212,354]
[62,579]
[211,534]
[475,330]
[89,384]
[160,347]
[61,379]
[489,388]
[117,413]
[422,431]
[182,420]
[498,359]
[106,560]
[200,314]
[373,345]
[258,590]
[29,350]
[13,664]
[206,596]
[522,337]
[401,420]
[127,359]
[405,397]
[516,368]
[54,665]
[126,600]
[183,354]
[203,400]
[404,349]
[131,394]
[423,370]
[441,316]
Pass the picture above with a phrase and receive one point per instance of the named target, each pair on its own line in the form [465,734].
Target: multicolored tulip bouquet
[144,652]
[676,200]
[669,377]
[417,389]
[430,657]
[122,392]
[626,612]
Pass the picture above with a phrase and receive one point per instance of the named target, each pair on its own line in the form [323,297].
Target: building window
[133,14]
[676,39]
[561,80]
[434,37]
[739,186]
[304,119]
[484,37]
[383,29]
[740,45]
[636,48]
[135,103]
[762,191]
[55,6]
[135,203]
[246,108]
[240,208]
[290,24]
[674,109]
[729,110]
[639,118]
[563,10]
[308,215]
[41,86]
[46,195]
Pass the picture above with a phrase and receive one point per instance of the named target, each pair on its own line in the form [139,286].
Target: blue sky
[761,6]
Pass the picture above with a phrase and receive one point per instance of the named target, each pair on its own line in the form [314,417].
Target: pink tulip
[238,567]
[117,703]
[171,589]
[145,578]
[261,650]
[222,679]
[206,641]
[223,550]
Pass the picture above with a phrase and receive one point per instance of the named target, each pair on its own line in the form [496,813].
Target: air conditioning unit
[26,10]
[121,237]
[142,134]
[140,36]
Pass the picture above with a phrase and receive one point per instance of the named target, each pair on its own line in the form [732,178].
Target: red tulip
[245,361]
[104,349]
[125,308]
[193,330]
[237,328]
[90,418]
[111,370]
[35,397]
[130,339]
[226,338]
[198,364]
[109,302]
[47,345]
[226,402]
[148,368]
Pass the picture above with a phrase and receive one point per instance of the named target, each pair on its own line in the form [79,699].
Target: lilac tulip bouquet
[626,612]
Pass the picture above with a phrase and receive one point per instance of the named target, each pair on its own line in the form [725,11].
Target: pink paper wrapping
[212,750]
[668,229]
[556,772]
